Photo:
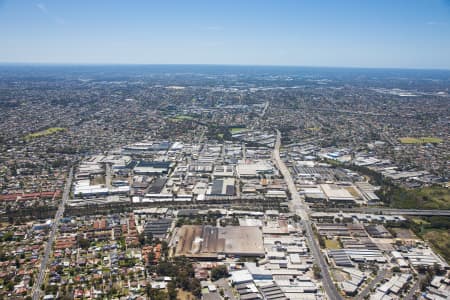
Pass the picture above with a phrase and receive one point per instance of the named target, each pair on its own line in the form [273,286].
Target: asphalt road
[222,283]
[381,274]
[393,211]
[108,176]
[36,292]
[415,288]
[297,206]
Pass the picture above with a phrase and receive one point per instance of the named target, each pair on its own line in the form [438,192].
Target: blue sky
[353,33]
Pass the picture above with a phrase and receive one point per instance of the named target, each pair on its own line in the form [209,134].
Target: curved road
[367,290]
[297,206]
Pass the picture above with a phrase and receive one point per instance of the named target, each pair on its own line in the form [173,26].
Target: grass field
[440,240]
[353,192]
[332,244]
[424,198]
[98,180]
[181,118]
[420,221]
[420,140]
[45,132]
[236,129]
[184,295]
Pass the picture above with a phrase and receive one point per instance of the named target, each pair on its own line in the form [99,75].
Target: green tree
[158,295]
[164,248]
[141,238]
[316,271]
[83,243]
[219,272]
[9,286]
[172,290]
[195,287]
[151,257]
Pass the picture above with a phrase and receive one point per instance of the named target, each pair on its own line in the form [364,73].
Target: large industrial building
[337,195]
[152,167]
[202,241]
[254,170]
[222,187]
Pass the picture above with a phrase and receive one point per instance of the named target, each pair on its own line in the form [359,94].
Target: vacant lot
[184,295]
[181,118]
[236,129]
[420,221]
[45,132]
[406,234]
[424,198]
[332,244]
[420,140]
[353,192]
[440,241]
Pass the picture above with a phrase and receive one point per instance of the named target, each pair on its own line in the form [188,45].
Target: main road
[393,211]
[297,206]
[108,177]
[36,291]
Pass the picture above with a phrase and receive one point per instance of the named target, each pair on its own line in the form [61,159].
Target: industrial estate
[223,183]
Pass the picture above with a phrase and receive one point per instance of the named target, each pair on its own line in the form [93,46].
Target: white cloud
[42,7]
[214,28]
[60,20]
[434,23]
[213,44]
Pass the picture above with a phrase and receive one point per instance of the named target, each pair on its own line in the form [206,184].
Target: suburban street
[297,206]
[36,292]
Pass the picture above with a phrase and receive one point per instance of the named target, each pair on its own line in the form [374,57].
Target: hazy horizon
[412,34]
[81,64]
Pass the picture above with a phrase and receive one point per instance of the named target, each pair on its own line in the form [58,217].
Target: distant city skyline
[372,34]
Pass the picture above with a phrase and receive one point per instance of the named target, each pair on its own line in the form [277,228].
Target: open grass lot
[332,244]
[184,295]
[403,233]
[98,180]
[45,132]
[420,221]
[353,192]
[420,140]
[440,240]
[181,118]
[236,129]
[435,230]
[434,197]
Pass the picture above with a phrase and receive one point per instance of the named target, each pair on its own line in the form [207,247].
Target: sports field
[332,244]
[420,140]
[181,118]
[236,129]
[48,131]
